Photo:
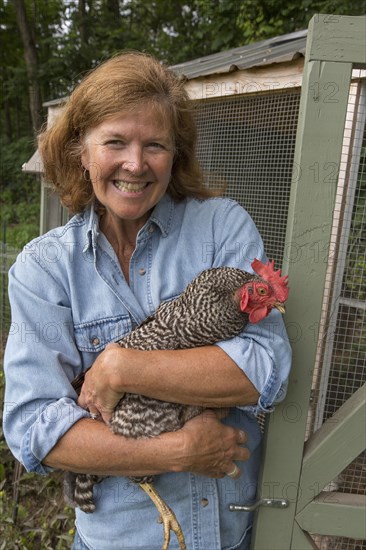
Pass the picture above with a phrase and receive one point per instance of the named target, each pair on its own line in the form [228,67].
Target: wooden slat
[270,78]
[333,447]
[335,514]
[338,38]
[302,540]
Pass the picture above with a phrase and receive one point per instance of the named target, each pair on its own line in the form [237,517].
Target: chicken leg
[169,520]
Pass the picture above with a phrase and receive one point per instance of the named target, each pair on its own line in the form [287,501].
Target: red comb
[268,273]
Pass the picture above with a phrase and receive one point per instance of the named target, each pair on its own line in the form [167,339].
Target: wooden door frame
[290,470]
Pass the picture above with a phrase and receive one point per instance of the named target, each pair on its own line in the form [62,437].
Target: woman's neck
[122,235]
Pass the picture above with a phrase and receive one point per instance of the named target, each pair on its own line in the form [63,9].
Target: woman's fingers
[234,473]
[210,448]
[98,394]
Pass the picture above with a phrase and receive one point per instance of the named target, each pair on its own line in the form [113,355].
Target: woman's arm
[204,376]
[204,446]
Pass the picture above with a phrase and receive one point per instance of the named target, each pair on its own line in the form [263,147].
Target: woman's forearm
[90,447]
[204,446]
[201,376]
[204,376]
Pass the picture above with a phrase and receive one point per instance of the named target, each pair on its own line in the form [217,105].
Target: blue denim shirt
[69,299]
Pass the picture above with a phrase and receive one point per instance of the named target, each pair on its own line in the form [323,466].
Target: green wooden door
[295,472]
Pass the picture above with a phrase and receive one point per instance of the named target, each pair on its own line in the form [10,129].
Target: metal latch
[268,502]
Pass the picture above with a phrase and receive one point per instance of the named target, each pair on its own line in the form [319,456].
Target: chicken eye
[262,291]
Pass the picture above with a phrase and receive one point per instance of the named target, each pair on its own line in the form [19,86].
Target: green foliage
[19,195]
[262,20]
[13,155]
[42,520]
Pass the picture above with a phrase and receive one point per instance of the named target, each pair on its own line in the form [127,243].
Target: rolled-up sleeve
[262,350]
[264,355]
[40,361]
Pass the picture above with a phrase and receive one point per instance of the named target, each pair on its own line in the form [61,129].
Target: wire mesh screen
[341,365]
[248,142]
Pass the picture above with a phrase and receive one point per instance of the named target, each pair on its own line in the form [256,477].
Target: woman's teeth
[130,187]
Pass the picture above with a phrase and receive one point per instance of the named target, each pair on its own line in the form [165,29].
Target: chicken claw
[168,517]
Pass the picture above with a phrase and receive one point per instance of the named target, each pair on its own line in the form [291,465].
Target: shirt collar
[92,228]
[161,216]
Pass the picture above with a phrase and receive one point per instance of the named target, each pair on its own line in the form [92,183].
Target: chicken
[216,305]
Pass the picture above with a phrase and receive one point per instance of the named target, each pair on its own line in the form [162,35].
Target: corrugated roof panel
[274,50]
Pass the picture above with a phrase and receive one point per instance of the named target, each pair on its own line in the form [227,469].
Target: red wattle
[258,313]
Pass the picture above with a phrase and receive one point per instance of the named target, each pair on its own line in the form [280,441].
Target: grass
[42,521]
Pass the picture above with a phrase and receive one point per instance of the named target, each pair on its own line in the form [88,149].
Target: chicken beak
[281,308]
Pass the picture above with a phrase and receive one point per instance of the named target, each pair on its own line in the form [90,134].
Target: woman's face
[129,158]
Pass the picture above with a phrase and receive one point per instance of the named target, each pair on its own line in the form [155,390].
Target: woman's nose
[134,161]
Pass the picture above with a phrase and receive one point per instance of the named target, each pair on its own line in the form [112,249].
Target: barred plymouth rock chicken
[215,306]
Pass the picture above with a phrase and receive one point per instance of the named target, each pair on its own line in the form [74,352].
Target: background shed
[247,106]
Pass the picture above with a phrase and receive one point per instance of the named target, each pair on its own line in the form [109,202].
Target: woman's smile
[127,187]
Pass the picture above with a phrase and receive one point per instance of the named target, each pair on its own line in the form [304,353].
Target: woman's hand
[100,392]
[208,447]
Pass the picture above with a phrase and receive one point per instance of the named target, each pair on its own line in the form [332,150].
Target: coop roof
[274,50]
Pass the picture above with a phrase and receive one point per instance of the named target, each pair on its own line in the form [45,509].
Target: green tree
[31,62]
[264,19]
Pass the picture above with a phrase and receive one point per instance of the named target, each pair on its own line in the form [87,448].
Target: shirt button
[142,271]
[204,502]
[151,229]
[95,341]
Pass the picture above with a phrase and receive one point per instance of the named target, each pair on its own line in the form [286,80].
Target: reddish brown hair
[116,86]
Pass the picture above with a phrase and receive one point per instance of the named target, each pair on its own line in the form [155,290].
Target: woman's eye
[156,145]
[114,143]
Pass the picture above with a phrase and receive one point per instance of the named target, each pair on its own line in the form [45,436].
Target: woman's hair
[120,85]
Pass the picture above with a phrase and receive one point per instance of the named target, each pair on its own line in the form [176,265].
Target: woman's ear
[84,159]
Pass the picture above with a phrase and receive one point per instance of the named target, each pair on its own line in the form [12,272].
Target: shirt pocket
[168,299]
[93,336]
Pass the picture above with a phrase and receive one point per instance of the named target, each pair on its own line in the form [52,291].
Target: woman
[122,157]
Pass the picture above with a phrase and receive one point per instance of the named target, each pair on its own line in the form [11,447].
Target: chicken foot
[168,517]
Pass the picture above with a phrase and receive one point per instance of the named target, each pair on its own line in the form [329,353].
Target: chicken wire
[248,143]
[341,360]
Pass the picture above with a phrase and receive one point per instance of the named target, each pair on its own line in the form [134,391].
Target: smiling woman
[128,159]
[122,157]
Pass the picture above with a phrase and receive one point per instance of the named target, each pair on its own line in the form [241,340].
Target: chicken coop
[282,123]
